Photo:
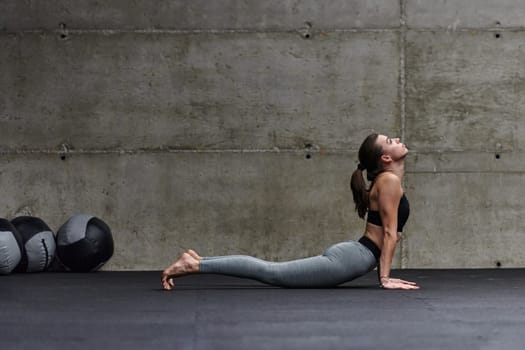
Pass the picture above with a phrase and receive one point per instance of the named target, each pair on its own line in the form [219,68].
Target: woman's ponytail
[369,160]
[360,192]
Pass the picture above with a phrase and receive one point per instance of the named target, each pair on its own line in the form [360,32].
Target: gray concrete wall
[232,126]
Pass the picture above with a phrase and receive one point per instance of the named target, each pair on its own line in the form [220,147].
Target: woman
[383,158]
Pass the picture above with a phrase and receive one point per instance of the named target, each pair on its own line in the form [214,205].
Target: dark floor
[455,309]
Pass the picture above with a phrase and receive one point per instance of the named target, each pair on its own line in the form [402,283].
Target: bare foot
[185,265]
[194,254]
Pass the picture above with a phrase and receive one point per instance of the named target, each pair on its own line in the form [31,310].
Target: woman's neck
[397,168]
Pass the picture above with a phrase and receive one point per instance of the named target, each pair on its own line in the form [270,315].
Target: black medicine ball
[39,244]
[11,247]
[84,243]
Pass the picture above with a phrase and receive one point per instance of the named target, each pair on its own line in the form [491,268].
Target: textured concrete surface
[458,14]
[197,91]
[287,15]
[232,126]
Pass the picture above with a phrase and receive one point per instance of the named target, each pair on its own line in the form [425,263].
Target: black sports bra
[403,211]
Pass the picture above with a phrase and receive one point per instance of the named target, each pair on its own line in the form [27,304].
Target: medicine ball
[11,248]
[84,243]
[39,244]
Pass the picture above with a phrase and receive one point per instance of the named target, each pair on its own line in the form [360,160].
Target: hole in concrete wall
[306,31]
[499,148]
[63,30]
[64,152]
[308,147]
[498,264]
[498,23]
[497,35]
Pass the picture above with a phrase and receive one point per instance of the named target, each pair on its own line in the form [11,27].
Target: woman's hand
[395,283]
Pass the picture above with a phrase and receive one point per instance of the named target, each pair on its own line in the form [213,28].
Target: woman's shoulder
[388,180]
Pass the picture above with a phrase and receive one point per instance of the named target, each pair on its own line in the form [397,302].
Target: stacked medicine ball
[27,244]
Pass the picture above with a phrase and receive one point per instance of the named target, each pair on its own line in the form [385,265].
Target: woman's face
[392,147]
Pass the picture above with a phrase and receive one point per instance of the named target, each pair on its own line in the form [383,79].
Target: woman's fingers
[409,286]
[395,283]
[397,280]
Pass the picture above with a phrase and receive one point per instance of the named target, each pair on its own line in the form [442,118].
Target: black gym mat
[455,309]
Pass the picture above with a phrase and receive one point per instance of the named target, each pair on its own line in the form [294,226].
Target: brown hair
[369,160]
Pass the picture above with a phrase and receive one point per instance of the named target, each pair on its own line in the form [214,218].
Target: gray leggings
[340,263]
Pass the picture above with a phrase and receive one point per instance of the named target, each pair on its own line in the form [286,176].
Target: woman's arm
[389,196]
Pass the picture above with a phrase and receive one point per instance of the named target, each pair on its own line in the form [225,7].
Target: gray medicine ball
[84,243]
[11,248]
[39,244]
